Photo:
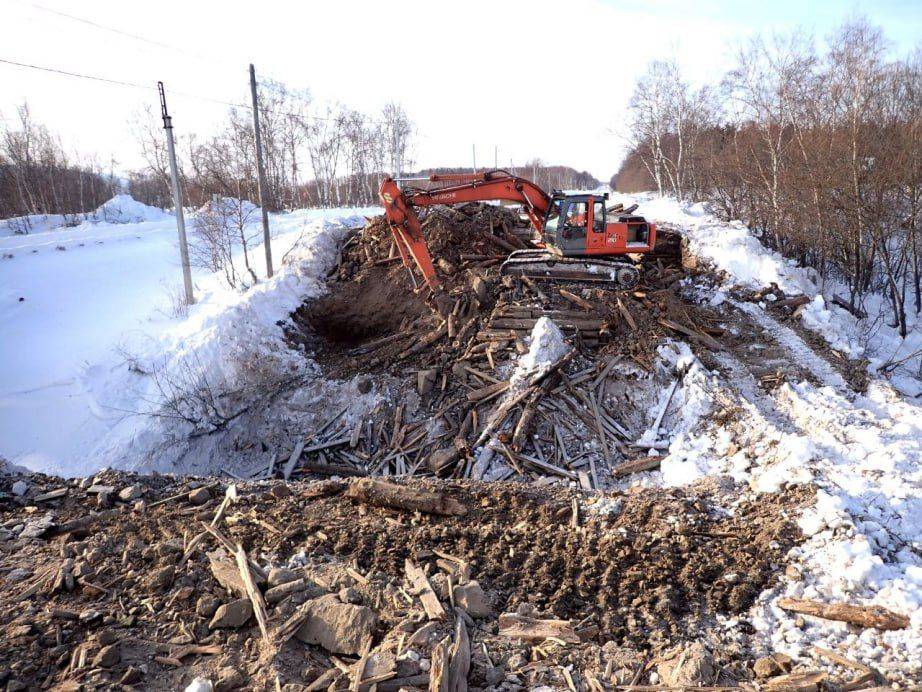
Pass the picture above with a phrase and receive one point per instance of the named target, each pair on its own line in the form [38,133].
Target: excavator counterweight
[577,237]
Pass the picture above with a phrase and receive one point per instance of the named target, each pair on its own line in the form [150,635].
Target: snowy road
[69,300]
[61,311]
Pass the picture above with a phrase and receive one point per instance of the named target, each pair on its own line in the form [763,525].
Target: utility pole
[177,198]
[262,172]
[474,152]
[495,157]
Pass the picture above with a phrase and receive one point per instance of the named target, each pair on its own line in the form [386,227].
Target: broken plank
[293,460]
[863,616]
[420,582]
[534,630]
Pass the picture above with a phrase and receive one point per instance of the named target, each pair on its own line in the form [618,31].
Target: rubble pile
[447,359]
[156,581]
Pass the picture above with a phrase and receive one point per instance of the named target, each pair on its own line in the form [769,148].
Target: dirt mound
[118,579]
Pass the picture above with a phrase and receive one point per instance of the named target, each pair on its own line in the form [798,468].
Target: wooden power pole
[262,172]
[177,198]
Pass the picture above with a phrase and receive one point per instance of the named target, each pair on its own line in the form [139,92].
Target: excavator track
[544,265]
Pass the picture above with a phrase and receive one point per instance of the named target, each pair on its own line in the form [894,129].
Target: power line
[120,32]
[74,74]
[198,97]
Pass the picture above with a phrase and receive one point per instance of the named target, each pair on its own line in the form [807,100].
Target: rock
[688,666]
[283,575]
[425,380]
[207,605]
[17,575]
[107,637]
[226,573]
[481,289]
[229,678]
[232,615]
[766,667]
[200,685]
[280,491]
[131,493]
[340,628]
[199,496]
[108,656]
[471,598]
[160,579]
[350,595]
[494,675]
[19,488]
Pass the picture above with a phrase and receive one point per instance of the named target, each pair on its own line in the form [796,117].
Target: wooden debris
[533,630]
[863,616]
[459,665]
[420,582]
[256,597]
[576,300]
[636,466]
[797,682]
[383,494]
[438,673]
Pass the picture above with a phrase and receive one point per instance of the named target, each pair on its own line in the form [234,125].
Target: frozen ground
[78,303]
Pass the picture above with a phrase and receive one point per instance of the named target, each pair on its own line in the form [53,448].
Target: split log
[425,341]
[708,341]
[863,616]
[577,300]
[438,673]
[459,665]
[533,630]
[383,494]
[636,466]
[420,582]
[626,314]
[488,391]
[797,682]
[256,597]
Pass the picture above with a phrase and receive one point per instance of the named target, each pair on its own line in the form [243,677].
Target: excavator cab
[578,224]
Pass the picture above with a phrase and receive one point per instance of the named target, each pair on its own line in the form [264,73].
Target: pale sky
[534,78]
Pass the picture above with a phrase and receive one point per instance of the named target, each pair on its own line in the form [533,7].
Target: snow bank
[126,209]
[121,209]
[734,249]
[88,317]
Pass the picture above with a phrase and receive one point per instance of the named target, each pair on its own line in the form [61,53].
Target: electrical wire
[168,46]
[126,34]
[198,97]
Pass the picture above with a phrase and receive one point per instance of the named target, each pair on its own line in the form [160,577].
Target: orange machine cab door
[595,238]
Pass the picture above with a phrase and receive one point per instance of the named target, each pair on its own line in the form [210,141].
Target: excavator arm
[400,208]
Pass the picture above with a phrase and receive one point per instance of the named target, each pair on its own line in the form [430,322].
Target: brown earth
[638,573]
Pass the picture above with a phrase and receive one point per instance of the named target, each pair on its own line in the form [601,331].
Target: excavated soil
[635,573]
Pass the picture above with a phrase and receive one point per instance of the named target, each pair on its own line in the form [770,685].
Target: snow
[97,306]
[733,249]
[547,346]
[121,209]
[862,452]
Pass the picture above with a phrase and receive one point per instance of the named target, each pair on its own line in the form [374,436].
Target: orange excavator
[577,237]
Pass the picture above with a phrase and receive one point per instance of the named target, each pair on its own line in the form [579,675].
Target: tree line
[38,176]
[817,148]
